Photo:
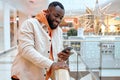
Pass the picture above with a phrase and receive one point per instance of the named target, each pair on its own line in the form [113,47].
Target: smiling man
[40,45]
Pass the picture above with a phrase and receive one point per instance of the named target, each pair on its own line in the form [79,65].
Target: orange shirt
[42,18]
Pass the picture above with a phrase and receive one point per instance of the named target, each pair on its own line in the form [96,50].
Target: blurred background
[91,27]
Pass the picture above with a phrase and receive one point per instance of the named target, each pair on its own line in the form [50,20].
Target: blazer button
[44,74]
[48,51]
[50,40]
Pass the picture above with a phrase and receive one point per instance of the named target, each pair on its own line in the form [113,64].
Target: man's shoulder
[32,19]
[59,28]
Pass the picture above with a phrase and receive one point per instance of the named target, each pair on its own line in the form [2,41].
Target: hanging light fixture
[17,18]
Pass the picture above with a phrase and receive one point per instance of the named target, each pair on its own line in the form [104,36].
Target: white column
[6,26]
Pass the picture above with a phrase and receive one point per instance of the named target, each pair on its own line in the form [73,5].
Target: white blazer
[32,59]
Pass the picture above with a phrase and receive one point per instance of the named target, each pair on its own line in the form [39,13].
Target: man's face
[55,16]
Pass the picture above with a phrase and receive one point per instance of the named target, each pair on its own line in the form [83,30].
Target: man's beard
[50,22]
[52,26]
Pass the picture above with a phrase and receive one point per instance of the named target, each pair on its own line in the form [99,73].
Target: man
[40,45]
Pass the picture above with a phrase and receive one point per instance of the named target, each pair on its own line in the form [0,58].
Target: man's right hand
[59,65]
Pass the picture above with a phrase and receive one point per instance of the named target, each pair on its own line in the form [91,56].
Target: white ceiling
[75,7]
[28,6]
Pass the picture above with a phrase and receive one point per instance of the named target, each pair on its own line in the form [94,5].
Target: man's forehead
[56,8]
[59,10]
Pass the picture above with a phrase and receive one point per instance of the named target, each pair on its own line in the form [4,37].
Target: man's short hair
[56,3]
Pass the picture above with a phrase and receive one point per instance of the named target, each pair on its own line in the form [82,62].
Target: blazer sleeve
[26,46]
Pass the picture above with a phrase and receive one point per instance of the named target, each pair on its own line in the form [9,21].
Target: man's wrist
[51,67]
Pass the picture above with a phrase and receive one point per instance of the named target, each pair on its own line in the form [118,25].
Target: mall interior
[91,27]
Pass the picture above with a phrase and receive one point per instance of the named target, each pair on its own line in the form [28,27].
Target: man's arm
[27,47]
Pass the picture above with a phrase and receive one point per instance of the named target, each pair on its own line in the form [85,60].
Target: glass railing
[98,58]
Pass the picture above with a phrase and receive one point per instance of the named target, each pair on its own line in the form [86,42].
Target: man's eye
[56,16]
[61,18]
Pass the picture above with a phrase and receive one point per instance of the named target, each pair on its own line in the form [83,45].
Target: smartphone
[67,48]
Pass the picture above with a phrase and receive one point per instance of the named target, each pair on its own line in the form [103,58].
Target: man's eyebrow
[58,14]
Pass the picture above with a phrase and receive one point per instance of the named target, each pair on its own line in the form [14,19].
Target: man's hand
[64,55]
[59,65]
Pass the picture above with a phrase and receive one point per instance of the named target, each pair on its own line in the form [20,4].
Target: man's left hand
[63,56]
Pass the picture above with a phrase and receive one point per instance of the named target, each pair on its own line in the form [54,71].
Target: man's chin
[53,27]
